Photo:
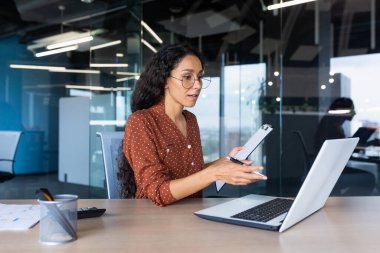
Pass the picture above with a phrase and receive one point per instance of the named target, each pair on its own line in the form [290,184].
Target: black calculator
[90,212]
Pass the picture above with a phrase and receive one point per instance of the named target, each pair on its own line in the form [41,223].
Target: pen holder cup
[58,219]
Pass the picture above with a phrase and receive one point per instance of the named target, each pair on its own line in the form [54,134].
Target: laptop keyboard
[266,211]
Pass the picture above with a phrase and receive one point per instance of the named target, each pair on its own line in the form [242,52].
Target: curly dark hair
[126,176]
[149,90]
[150,87]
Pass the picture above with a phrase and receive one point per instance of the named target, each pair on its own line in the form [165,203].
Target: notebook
[324,173]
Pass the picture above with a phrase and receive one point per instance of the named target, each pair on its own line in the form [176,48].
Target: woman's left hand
[236,150]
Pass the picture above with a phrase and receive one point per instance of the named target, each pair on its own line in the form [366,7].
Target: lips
[193,95]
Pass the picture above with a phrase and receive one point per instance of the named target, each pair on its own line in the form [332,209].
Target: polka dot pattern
[158,152]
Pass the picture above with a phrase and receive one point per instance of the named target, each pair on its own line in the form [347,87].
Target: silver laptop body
[321,179]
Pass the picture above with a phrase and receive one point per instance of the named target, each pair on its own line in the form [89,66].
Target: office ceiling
[216,26]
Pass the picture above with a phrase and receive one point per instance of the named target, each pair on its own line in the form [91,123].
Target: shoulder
[139,117]
[190,116]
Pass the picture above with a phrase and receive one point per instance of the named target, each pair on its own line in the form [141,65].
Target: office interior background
[282,67]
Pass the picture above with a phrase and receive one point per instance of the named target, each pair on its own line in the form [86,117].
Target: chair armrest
[7,160]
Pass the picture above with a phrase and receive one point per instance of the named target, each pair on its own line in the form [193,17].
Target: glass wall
[309,70]
[67,71]
[285,67]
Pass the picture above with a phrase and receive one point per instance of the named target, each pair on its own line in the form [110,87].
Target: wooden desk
[349,224]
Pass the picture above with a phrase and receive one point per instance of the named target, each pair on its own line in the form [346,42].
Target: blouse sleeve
[140,149]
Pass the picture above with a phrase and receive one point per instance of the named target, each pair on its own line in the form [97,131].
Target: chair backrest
[111,142]
[301,140]
[8,145]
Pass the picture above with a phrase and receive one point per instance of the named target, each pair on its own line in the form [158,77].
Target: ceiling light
[150,30]
[127,73]
[331,80]
[323,87]
[18,66]
[119,55]
[69,42]
[108,65]
[99,88]
[270,83]
[108,44]
[339,111]
[149,45]
[56,51]
[125,79]
[276,73]
[287,4]
[80,71]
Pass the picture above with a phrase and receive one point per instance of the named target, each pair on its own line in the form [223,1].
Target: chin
[188,104]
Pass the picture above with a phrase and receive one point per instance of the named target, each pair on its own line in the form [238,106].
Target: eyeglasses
[188,81]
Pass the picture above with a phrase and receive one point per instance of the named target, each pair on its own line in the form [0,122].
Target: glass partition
[68,68]
[309,70]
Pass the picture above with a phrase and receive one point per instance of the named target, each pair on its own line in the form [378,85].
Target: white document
[249,147]
[18,217]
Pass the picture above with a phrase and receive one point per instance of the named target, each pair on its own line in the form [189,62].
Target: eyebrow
[191,70]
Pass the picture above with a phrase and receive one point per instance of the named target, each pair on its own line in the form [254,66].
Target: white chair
[111,142]
[8,145]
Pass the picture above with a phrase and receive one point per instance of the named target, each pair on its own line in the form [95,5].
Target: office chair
[8,146]
[306,154]
[111,142]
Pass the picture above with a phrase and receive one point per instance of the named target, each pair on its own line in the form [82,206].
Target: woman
[162,140]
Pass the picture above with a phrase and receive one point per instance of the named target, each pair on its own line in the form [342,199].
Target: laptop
[279,214]
[364,133]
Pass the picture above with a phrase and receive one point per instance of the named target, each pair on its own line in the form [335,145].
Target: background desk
[349,224]
[369,164]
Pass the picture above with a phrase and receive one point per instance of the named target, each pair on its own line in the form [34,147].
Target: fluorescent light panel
[339,111]
[125,79]
[80,71]
[109,44]
[56,51]
[108,65]
[127,73]
[99,88]
[70,42]
[148,45]
[287,4]
[19,66]
[150,30]
[54,69]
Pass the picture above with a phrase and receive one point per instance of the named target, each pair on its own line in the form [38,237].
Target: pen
[234,160]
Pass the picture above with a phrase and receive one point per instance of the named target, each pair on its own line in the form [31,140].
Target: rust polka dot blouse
[158,152]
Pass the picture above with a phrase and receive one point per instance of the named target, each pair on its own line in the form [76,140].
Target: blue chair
[111,142]
[8,145]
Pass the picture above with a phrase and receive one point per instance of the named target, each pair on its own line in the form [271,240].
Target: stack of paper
[18,217]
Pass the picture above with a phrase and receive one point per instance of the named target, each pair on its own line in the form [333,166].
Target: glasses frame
[200,80]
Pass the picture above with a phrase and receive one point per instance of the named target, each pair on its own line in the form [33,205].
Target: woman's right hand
[236,174]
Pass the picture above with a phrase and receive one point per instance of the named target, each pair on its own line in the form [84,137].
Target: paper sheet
[18,217]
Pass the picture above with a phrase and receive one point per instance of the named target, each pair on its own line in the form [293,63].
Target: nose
[197,83]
